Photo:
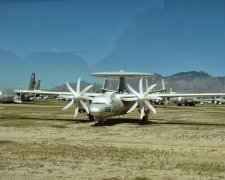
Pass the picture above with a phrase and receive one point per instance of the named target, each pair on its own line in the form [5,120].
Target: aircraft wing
[42,92]
[69,94]
[168,95]
[164,95]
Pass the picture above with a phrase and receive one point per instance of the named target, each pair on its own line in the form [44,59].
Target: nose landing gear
[144,119]
[91,117]
[99,122]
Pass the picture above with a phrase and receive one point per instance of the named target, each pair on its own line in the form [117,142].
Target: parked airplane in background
[187,101]
[33,85]
[20,97]
[125,99]
[219,100]
[7,98]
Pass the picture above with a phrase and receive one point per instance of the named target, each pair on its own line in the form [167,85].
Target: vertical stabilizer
[163,84]
[37,87]
[146,82]
[105,86]
[32,82]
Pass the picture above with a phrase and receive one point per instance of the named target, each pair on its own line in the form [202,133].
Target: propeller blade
[141,87]
[130,99]
[76,109]
[76,112]
[70,88]
[142,112]
[84,106]
[78,86]
[150,107]
[132,90]
[133,107]
[68,105]
[86,89]
[149,89]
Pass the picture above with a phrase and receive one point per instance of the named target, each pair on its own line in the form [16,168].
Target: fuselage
[107,105]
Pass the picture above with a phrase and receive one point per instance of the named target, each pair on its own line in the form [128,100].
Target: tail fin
[37,87]
[146,82]
[163,85]
[32,82]
[105,86]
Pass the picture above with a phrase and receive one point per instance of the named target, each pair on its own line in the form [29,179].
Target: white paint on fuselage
[109,104]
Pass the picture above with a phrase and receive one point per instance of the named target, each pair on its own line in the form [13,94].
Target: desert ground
[40,141]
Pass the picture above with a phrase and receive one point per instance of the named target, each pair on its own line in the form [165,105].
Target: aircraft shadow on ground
[111,121]
[178,122]
[115,121]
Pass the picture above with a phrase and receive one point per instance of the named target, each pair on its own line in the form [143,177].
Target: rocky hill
[195,82]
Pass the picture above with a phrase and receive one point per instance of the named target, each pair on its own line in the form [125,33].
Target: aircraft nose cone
[95,111]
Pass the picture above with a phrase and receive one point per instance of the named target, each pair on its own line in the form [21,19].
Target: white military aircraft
[100,106]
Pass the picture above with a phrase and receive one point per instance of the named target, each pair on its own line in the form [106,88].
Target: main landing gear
[99,122]
[91,117]
[144,119]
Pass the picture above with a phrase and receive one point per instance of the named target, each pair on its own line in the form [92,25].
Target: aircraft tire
[91,117]
[144,119]
[99,122]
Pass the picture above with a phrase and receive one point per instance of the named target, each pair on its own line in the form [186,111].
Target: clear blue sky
[170,36]
[87,27]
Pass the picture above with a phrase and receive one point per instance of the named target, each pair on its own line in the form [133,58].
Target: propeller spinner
[78,98]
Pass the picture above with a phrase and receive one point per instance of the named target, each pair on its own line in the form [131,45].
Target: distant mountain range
[57,67]
[187,82]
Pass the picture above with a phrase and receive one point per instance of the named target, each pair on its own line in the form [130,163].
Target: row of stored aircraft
[108,103]
[5,97]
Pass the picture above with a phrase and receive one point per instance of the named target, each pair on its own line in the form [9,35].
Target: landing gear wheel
[91,117]
[144,119]
[99,122]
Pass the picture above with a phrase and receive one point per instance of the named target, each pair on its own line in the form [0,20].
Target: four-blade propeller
[141,99]
[78,98]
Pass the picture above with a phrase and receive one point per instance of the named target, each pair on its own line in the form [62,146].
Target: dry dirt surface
[40,141]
